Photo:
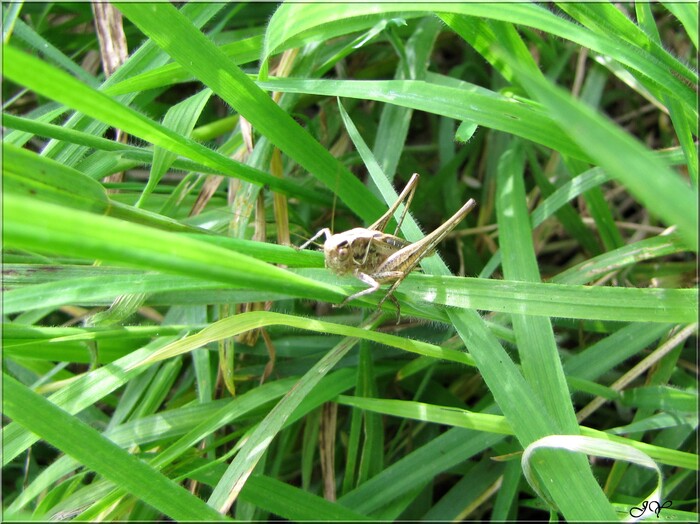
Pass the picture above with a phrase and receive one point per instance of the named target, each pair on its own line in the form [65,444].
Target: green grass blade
[417,468]
[294,21]
[145,57]
[498,424]
[245,322]
[35,41]
[614,349]
[241,52]
[498,369]
[49,228]
[228,489]
[43,129]
[181,118]
[31,175]
[538,351]
[656,186]
[74,398]
[457,100]
[77,439]
[42,78]
[687,14]
[293,503]
[596,267]
[188,46]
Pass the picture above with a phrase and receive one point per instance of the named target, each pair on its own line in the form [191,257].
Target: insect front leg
[325,231]
[373,286]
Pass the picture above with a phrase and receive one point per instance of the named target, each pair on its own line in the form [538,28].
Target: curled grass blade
[498,424]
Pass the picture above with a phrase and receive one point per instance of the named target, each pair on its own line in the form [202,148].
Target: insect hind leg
[392,275]
[373,286]
[391,297]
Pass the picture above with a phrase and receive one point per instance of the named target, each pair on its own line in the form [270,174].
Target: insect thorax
[359,249]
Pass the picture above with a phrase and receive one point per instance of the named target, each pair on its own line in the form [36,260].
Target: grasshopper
[377,258]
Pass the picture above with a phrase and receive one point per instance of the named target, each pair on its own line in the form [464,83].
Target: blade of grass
[77,396]
[417,468]
[31,175]
[191,423]
[84,443]
[596,267]
[43,78]
[505,381]
[498,424]
[687,14]
[35,41]
[240,52]
[228,489]
[662,191]
[292,21]
[506,296]
[131,154]
[394,120]
[180,118]
[246,321]
[293,503]
[144,58]
[614,349]
[48,228]
[535,339]
[554,300]
[446,97]
[194,51]
[609,20]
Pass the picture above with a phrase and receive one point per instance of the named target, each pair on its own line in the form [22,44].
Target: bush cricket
[377,258]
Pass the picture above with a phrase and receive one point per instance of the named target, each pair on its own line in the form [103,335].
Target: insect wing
[377,249]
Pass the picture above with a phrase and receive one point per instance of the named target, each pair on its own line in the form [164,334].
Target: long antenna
[335,198]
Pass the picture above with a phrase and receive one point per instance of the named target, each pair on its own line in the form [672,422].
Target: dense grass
[167,353]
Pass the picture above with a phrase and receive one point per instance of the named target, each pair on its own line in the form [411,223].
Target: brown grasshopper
[375,257]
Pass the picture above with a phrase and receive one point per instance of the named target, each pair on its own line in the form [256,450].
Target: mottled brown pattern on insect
[375,257]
